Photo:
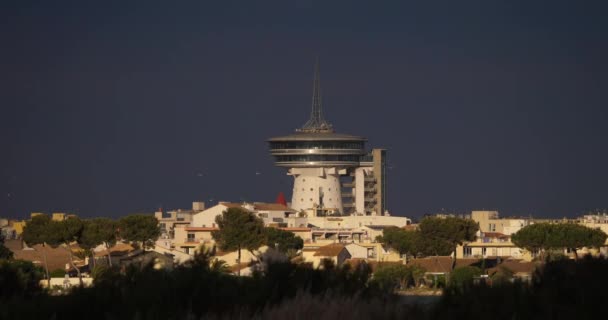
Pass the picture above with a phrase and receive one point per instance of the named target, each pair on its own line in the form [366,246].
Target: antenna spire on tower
[316,123]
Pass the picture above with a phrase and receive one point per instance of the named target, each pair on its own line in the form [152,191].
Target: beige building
[336,252]
[491,245]
[169,220]
[489,221]
[189,239]
[273,214]
[18,226]
[58,216]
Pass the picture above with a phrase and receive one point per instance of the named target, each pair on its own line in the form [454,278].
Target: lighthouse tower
[317,157]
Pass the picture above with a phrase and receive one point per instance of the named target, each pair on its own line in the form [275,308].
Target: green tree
[99,231]
[282,240]
[502,276]
[391,276]
[19,279]
[5,253]
[438,233]
[58,273]
[402,241]
[544,237]
[68,231]
[38,230]
[533,238]
[139,228]
[418,273]
[461,278]
[238,229]
[575,237]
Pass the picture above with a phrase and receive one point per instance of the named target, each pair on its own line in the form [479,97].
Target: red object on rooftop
[281,199]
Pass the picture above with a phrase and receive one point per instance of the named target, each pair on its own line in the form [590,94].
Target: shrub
[462,277]
[57,273]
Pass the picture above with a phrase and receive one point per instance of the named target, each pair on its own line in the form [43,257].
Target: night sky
[110,108]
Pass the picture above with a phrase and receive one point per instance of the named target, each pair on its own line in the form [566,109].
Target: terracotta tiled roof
[271,207]
[57,258]
[354,262]
[494,235]
[330,250]
[231,204]
[467,262]
[517,266]
[410,227]
[117,250]
[295,229]
[379,227]
[437,264]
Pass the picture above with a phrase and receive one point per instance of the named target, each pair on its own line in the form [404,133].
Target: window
[483,252]
[190,237]
[468,251]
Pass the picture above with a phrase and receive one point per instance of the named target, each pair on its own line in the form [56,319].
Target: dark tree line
[88,234]
[563,289]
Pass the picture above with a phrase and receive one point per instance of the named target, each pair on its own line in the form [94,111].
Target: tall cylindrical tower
[316,160]
[316,156]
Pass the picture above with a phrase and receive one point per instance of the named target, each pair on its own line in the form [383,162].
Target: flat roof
[200,229]
[316,136]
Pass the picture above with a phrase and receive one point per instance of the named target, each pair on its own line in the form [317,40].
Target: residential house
[169,220]
[491,244]
[189,239]
[335,252]
[522,270]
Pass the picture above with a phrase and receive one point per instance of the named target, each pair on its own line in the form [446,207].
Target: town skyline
[106,119]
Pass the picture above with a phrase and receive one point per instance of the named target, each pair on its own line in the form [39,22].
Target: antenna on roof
[316,123]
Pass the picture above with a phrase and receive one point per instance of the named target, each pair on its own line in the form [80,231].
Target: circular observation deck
[317,149]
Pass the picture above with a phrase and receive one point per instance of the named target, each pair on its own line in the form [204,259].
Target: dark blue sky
[111,108]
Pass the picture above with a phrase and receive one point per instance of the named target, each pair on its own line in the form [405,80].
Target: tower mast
[316,123]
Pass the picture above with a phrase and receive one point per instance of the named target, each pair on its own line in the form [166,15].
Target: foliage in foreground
[195,289]
[563,289]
